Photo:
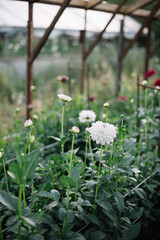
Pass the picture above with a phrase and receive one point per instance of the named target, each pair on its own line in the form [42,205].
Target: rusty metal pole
[29,64]
[119,62]
[148,47]
[83,55]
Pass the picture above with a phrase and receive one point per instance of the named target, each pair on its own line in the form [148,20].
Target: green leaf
[61,213]
[90,183]
[137,214]
[45,194]
[129,144]
[119,201]
[63,140]
[15,172]
[70,216]
[67,181]
[75,172]
[140,192]
[105,205]
[92,218]
[19,157]
[76,236]
[126,219]
[30,220]
[55,194]
[13,223]
[66,157]
[8,200]
[75,151]
[36,236]
[86,203]
[97,235]
[134,231]
[55,138]
[30,165]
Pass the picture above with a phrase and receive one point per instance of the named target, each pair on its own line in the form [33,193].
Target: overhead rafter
[92,3]
[137,4]
[48,31]
[153,51]
[101,33]
[147,21]
[134,9]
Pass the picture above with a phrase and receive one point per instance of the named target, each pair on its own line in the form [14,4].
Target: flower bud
[1,154]
[106,105]
[144,82]
[32,139]
[28,123]
[75,129]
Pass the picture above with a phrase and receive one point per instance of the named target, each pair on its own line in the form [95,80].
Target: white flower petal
[102,132]
[87,116]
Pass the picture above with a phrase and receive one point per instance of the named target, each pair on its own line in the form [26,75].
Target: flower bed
[97,180]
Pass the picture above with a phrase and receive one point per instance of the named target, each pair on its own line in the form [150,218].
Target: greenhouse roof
[14,14]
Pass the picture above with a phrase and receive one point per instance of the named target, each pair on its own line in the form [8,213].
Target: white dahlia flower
[64,98]
[87,116]
[102,132]
[28,123]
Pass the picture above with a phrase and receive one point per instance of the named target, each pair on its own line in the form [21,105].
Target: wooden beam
[48,31]
[119,62]
[137,4]
[153,51]
[83,56]
[103,7]
[29,64]
[93,3]
[154,10]
[96,41]
[108,7]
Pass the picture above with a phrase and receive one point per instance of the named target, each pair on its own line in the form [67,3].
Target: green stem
[70,165]
[24,197]
[145,103]
[86,150]
[62,145]
[29,145]
[135,116]
[96,192]
[120,145]
[5,175]
[1,232]
[106,114]
[76,187]
[110,158]
[139,150]
[90,148]
[146,134]
[67,206]
[105,158]
[69,171]
[19,210]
